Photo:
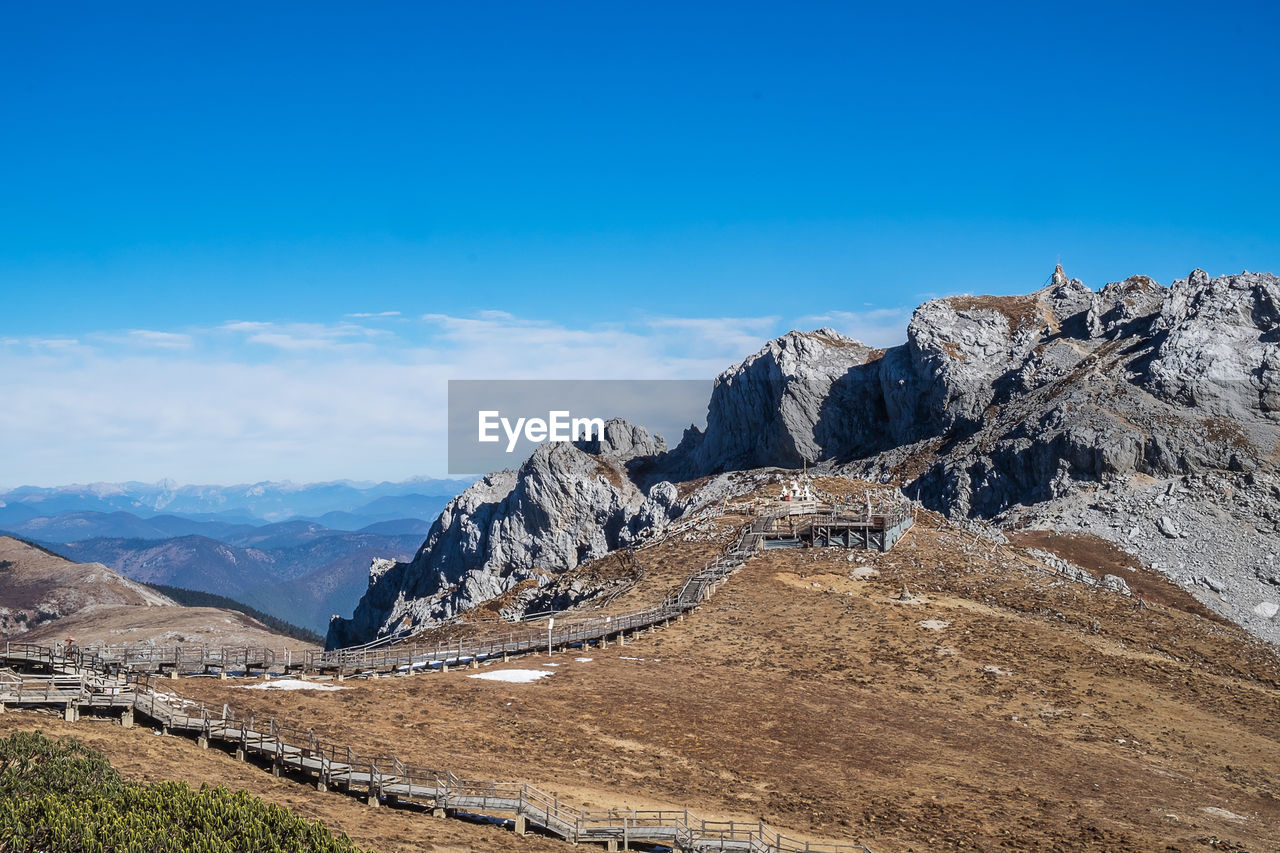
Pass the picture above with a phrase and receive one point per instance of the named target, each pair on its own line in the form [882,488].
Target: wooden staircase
[121,679]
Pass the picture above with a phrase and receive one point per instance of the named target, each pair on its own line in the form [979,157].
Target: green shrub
[31,765]
[62,797]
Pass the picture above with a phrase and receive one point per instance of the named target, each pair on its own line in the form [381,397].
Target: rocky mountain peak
[1007,408]
[563,506]
[779,406]
[1059,277]
[1217,349]
[623,441]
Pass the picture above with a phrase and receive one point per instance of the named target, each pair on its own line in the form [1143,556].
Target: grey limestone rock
[803,397]
[623,441]
[1115,583]
[1144,414]
[1167,527]
[564,506]
[1218,351]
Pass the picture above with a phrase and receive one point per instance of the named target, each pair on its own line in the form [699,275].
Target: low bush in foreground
[63,797]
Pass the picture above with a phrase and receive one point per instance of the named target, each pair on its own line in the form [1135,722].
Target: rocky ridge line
[1144,414]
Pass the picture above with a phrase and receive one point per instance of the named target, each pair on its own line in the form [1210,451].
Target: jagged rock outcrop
[562,507]
[1128,404]
[1055,408]
[819,396]
[1025,396]
[1151,392]
[623,442]
[1218,350]
[803,397]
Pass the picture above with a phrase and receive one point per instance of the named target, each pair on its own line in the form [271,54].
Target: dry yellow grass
[999,708]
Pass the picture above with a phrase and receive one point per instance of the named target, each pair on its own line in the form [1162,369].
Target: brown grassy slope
[32,577]
[209,626]
[1100,557]
[143,756]
[49,598]
[1026,714]
[1021,312]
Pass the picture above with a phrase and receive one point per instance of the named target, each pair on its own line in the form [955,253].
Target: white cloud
[51,344]
[366,314]
[110,418]
[495,344]
[164,340]
[254,400]
[251,400]
[302,337]
[717,334]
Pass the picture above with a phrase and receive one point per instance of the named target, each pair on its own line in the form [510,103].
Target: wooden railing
[380,778]
[413,656]
[832,517]
[94,677]
[185,658]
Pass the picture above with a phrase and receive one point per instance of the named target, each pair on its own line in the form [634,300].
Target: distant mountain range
[344,504]
[45,599]
[79,526]
[297,571]
[298,552]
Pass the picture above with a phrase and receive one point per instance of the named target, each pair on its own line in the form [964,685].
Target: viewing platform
[815,524]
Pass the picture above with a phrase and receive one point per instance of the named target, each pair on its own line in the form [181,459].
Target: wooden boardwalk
[128,681]
[388,780]
[877,531]
[571,631]
[186,658]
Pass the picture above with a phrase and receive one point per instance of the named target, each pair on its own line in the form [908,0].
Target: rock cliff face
[1143,381]
[1141,414]
[821,396]
[1148,415]
[803,397]
[563,507]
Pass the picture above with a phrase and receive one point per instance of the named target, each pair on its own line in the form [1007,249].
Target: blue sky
[196,202]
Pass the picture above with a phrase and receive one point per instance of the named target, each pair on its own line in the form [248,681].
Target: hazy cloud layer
[361,397]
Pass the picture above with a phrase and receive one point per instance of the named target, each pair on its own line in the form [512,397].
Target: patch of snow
[291,684]
[404,667]
[933,624]
[1222,813]
[624,657]
[513,676]
[583,660]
